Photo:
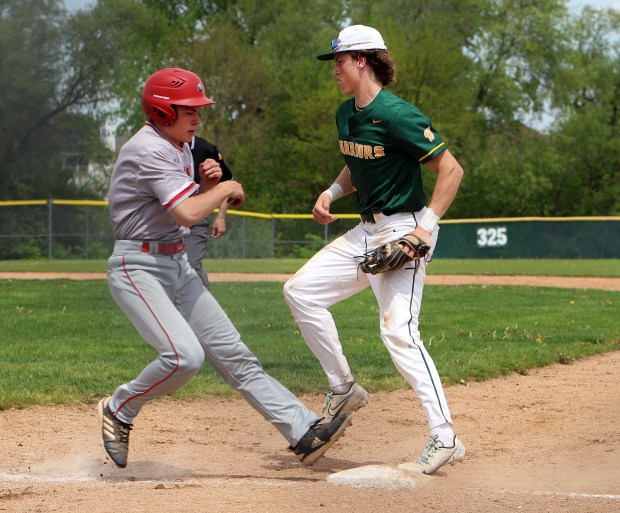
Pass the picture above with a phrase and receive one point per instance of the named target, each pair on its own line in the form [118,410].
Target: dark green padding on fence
[529,239]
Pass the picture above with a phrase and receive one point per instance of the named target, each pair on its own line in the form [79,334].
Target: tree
[479,68]
[586,94]
[259,67]
[44,124]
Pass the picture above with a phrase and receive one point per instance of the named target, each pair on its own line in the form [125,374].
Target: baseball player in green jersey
[384,141]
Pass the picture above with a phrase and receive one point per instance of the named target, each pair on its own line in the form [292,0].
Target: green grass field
[66,341]
[531,267]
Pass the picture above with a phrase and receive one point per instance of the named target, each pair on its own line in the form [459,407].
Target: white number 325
[492,237]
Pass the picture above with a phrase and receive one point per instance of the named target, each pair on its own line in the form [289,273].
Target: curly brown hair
[381,63]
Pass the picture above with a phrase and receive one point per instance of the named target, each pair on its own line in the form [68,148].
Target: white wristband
[334,192]
[429,220]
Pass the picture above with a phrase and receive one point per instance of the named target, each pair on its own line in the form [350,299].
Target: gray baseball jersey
[150,173]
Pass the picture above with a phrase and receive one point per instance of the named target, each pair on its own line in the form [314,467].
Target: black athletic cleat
[115,434]
[319,438]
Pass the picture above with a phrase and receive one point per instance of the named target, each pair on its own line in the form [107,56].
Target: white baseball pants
[333,275]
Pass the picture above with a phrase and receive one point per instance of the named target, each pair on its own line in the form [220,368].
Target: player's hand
[422,234]
[320,212]
[218,228]
[210,173]
[236,195]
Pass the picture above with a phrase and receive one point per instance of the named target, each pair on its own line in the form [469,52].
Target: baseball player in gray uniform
[153,198]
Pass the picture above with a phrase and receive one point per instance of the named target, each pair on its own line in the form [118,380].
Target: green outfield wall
[584,237]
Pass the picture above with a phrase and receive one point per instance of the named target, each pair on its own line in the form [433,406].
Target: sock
[344,388]
[445,434]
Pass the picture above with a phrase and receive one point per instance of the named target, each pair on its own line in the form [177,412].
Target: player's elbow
[457,172]
[452,172]
[183,215]
[185,220]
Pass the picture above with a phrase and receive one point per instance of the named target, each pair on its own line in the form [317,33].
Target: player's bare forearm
[344,180]
[223,209]
[199,206]
[219,224]
[449,175]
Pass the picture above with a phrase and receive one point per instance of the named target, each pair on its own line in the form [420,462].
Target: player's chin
[345,89]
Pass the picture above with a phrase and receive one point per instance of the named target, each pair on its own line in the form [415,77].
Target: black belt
[163,248]
[368,217]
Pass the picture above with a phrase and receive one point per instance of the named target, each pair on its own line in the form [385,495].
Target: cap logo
[428,134]
[355,38]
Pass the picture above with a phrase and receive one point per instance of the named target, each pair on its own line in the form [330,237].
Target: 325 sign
[492,237]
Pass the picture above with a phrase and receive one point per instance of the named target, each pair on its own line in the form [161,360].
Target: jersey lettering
[361,151]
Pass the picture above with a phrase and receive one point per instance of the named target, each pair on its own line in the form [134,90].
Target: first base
[377,476]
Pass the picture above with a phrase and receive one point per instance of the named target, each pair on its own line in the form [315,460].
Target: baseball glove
[391,256]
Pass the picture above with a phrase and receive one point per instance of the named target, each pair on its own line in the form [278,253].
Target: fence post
[244,237]
[49,229]
[273,237]
[86,232]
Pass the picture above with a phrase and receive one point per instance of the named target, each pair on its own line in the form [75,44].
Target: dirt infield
[548,442]
[432,279]
[544,442]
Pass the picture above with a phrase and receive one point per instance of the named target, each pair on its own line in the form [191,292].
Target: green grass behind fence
[66,341]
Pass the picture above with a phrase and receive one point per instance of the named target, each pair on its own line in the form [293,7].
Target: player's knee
[189,361]
[291,291]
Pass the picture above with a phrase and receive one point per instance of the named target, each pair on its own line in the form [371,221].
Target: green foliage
[482,70]
[308,250]
[67,341]
[49,82]
[26,250]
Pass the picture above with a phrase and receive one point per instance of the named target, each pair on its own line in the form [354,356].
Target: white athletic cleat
[336,404]
[435,455]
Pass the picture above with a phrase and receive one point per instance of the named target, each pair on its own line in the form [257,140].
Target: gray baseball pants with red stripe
[169,306]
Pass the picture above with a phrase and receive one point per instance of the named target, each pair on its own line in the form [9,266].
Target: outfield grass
[531,267]
[65,341]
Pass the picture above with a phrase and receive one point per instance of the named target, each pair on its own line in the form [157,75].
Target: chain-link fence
[65,229]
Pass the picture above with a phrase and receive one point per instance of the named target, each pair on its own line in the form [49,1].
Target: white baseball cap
[355,37]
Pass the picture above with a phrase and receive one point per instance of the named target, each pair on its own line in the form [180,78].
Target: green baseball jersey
[384,146]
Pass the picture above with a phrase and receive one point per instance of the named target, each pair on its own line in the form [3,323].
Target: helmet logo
[199,87]
[160,96]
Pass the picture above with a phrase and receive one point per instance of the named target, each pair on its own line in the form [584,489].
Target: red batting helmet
[168,87]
